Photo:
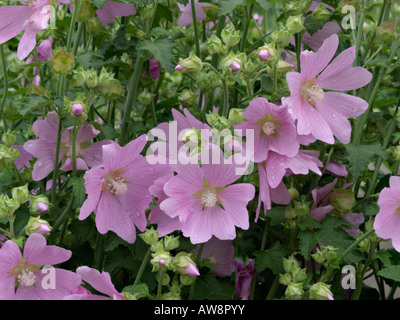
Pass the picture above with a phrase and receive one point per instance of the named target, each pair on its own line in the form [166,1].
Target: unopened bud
[184,264]
[290,264]
[145,97]
[192,64]
[188,98]
[171,242]
[294,194]
[230,36]
[281,37]
[86,11]
[62,62]
[321,14]
[42,208]
[218,122]
[343,200]
[20,193]
[295,24]
[77,109]
[39,204]
[187,280]
[294,291]
[263,54]
[37,225]
[285,279]
[215,45]
[150,236]
[387,31]
[320,291]
[236,116]
[9,138]
[299,275]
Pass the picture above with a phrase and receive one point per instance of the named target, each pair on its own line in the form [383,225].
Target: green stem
[246,28]
[392,125]
[298,37]
[359,32]
[225,107]
[99,253]
[159,288]
[274,288]
[360,276]
[133,84]
[142,266]
[196,30]
[5,90]
[56,161]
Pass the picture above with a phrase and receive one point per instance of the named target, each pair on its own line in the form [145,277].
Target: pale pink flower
[205,198]
[272,171]
[186,17]
[100,282]
[387,221]
[273,128]
[44,148]
[113,9]
[24,157]
[324,114]
[22,276]
[165,224]
[32,17]
[118,189]
[220,254]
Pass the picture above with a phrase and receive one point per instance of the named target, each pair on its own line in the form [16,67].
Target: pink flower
[220,253]
[272,171]
[44,148]
[186,17]
[32,17]
[118,190]
[100,282]
[165,224]
[324,114]
[322,206]
[273,127]
[43,51]
[387,221]
[316,40]
[24,157]
[113,9]
[244,275]
[22,278]
[205,198]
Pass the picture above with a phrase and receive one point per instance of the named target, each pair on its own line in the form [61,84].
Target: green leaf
[271,258]
[211,288]
[307,221]
[138,290]
[162,13]
[360,156]
[384,256]
[265,4]
[78,190]
[32,102]
[99,4]
[162,51]
[277,215]
[113,241]
[227,6]
[86,59]
[392,273]
[83,229]
[308,239]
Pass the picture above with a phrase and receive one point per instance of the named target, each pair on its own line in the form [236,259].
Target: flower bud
[295,24]
[321,14]
[281,37]
[387,31]
[86,11]
[188,98]
[191,138]
[290,213]
[164,280]
[285,279]
[192,64]
[320,291]
[236,116]
[20,193]
[92,80]
[294,194]
[161,260]
[94,26]
[263,54]
[37,225]
[294,291]
[9,138]
[77,109]
[329,253]
[215,45]
[150,236]
[187,280]
[318,256]
[231,63]
[145,97]
[62,62]
[230,36]
[39,204]
[8,206]
[147,11]
[78,77]
[218,122]
[299,275]
[343,200]
[7,155]
[171,242]
[112,90]
[301,208]
[208,81]
[290,264]
[184,264]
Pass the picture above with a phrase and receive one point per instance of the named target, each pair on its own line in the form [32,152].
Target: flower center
[312,92]
[269,128]
[116,185]
[209,198]
[68,147]
[26,278]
